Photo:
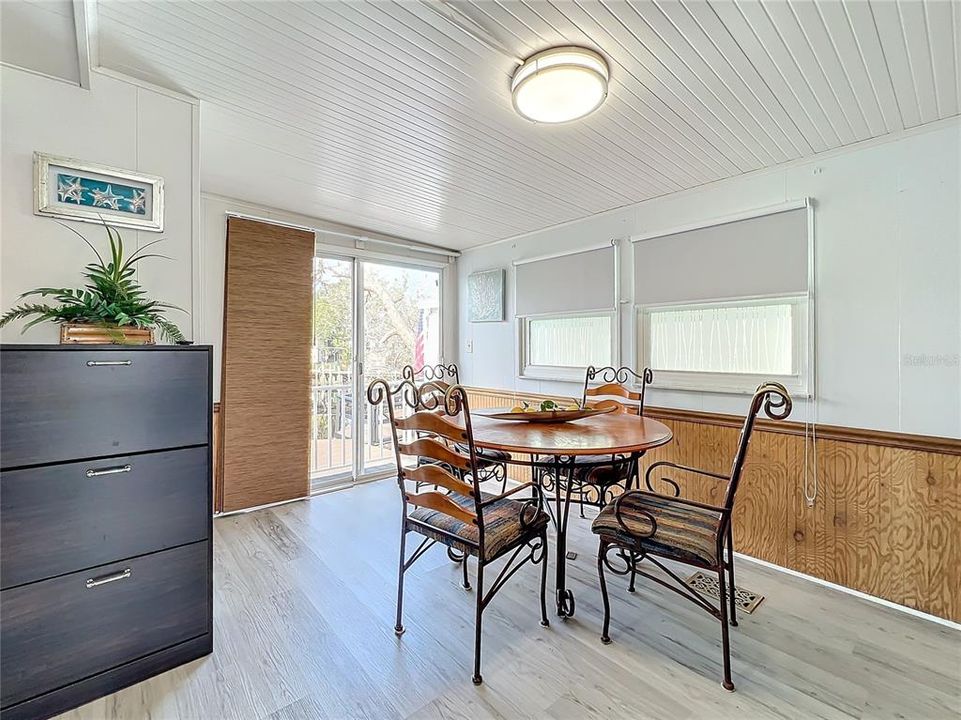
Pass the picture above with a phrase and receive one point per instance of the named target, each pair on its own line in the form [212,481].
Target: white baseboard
[855,593]
[346,485]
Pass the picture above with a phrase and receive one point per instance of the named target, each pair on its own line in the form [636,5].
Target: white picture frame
[71,189]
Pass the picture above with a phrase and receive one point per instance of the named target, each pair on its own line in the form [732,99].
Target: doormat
[745,600]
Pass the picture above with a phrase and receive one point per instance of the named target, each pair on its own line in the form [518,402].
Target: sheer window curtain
[574,342]
[755,339]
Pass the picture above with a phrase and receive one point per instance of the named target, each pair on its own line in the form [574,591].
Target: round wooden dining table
[585,443]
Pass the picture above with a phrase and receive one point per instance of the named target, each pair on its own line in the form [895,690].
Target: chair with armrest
[595,484]
[645,525]
[487,527]
[492,464]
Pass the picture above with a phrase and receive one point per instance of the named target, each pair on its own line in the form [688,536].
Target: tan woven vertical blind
[266,364]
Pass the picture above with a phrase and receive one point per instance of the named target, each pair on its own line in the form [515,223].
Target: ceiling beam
[84,14]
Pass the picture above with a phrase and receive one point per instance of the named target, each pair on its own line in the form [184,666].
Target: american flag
[419,341]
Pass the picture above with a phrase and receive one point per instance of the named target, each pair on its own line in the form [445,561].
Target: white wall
[888,281]
[41,36]
[214,211]
[115,123]
[128,125]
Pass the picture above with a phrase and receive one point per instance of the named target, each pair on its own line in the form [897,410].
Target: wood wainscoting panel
[886,519]
[265,395]
[949,584]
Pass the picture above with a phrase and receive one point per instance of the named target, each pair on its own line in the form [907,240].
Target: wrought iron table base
[563,596]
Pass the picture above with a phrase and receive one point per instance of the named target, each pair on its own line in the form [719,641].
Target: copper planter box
[88,334]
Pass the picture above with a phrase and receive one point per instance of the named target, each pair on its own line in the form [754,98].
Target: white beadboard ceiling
[386,116]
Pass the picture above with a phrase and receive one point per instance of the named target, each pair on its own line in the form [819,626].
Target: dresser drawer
[60,518]
[59,631]
[60,405]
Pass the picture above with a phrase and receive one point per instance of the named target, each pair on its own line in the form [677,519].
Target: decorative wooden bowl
[548,416]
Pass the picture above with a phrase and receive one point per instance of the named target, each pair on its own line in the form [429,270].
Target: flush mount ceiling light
[560,84]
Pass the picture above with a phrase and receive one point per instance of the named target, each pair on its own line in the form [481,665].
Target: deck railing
[332,433]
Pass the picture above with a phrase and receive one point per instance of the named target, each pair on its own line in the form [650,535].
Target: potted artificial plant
[110,308]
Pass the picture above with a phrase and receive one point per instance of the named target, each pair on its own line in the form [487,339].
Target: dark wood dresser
[105,519]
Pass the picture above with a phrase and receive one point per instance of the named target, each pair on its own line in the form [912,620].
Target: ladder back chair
[487,527]
[646,525]
[492,464]
[595,484]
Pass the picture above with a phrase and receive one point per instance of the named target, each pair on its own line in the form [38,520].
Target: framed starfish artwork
[75,190]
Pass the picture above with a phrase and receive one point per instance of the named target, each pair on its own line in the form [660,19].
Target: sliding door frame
[359,410]
[357,257]
[344,477]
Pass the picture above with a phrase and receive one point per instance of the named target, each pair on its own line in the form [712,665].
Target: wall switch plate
[470,346]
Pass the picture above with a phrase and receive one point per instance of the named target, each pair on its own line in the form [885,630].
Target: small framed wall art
[485,296]
[75,190]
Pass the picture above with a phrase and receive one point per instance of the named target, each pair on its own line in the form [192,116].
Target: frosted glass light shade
[560,84]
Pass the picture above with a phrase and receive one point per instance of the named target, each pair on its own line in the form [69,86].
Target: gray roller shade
[570,283]
[766,255]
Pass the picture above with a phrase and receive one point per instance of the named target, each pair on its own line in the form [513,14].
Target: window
[726,346]
[560,347]
[566,305]
[725,304]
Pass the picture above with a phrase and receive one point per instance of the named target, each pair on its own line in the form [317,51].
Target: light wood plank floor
[304,604]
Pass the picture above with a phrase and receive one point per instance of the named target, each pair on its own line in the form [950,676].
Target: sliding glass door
[401,311]
[332,371]
[370,319]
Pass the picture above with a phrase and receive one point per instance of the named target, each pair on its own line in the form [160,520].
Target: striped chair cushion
[587,469]
[502,524]
[587,472]
[684,533]
[485,456]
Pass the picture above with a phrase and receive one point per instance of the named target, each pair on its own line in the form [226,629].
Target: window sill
[724,384]
[573,375]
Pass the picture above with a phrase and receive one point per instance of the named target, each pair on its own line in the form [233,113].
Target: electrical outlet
[470,346]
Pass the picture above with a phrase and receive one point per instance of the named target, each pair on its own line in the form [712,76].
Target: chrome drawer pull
[108,471]
[104,579]
[108,363]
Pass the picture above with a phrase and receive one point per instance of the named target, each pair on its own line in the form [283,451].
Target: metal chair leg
[725,631]
[601,554]
[630,587]
[544,621]
[399,624]
[730,568]
[477,679]
[466,583]
[538,475]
